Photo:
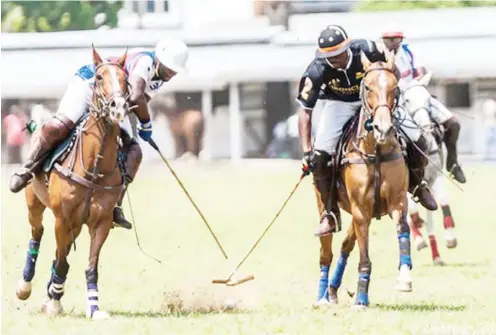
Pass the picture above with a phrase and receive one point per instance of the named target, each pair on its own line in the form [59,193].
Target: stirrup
[415,198]
[337,226]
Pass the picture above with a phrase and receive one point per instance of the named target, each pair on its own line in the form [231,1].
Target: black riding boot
[325,190]
[451,132]
[416,164]
[131,166]
[51,134]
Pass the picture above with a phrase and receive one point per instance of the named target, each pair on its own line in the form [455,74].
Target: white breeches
[335,114]
[76,101]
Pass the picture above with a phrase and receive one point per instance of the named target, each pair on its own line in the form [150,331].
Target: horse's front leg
[346,248]
[98,234]
[449,224]
[325,263]
[404,281]
[60,266]
[35,216]
[361,224]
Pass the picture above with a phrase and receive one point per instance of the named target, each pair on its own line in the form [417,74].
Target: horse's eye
[367,88]
[99,77]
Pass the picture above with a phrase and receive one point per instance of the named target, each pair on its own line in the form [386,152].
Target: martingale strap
[376,159]
[65,172]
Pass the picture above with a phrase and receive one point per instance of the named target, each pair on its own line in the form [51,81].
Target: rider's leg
[131,165]
[417,162]
[44,140]
[329,129]
[451,132]
[72,106]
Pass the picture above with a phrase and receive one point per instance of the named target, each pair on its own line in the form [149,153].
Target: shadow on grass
[458,265]
[158,314]
[427,307]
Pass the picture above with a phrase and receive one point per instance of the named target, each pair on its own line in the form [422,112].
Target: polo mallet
[154,146]
[230,282]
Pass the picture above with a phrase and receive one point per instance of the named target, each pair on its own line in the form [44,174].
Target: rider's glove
[145,130]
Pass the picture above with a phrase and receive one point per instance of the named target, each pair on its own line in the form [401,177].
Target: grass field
[177,297]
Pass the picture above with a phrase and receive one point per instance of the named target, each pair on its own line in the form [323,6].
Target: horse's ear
[426,78]
[97,60]
[365,60]
[122,59]
[390,60]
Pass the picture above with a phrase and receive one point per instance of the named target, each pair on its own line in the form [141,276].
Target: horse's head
[416,101]
[111,90]
[379,96]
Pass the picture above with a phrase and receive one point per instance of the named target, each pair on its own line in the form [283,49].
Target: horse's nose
[382,130]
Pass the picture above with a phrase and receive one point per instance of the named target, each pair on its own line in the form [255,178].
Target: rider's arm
[419,70]
[308,93]
[141,73]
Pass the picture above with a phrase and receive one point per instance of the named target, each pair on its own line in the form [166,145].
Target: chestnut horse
[84,188]
[372,182]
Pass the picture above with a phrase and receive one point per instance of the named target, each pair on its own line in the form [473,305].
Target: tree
[375,5]
[42,16]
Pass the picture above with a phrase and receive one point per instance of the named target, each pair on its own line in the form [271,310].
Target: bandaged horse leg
[346,248]
[36,209]
[449,223]
[44,141]
[325,263]
[325,190]
[416,164]
[404,281]
[60,266]
[436,258]
[415,222]
[133,156]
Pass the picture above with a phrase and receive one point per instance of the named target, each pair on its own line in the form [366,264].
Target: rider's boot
[416,164]
[131,166]
[325,190]
[51,134]
[450,138]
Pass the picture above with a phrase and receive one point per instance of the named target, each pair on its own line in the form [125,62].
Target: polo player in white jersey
[147,71]
[411,67]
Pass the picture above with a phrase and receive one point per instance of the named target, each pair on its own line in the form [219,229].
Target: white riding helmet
[172,53]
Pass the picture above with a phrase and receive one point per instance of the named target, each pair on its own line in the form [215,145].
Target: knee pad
[322,163]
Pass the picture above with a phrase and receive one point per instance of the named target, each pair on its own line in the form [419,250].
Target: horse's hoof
[359,307]
[23,290]
[52,308]
[403,285]
[420,243]
[451,243]
[438,261]
[321,304]
[100,315]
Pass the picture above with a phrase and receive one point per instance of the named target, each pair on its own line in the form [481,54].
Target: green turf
[177,297]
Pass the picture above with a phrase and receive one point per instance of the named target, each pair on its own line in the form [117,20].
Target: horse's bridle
[363,94]
[103,106]
[427,107]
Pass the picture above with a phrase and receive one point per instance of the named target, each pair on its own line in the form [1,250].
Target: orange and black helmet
[332,41]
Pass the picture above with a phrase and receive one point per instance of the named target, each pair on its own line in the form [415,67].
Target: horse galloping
[373,181]
[416,102]
[84,188]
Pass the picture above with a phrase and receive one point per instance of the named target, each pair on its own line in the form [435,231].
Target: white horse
[415,99]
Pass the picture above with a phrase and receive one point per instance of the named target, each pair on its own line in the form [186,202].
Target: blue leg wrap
[362,297]
[323,283]
[405,257]
[339,271]
[31,257]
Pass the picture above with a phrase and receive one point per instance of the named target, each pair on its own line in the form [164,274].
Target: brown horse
[372,182]
[84,188]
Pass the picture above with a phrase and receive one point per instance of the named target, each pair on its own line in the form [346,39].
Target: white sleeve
[143,68]
[417,60]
